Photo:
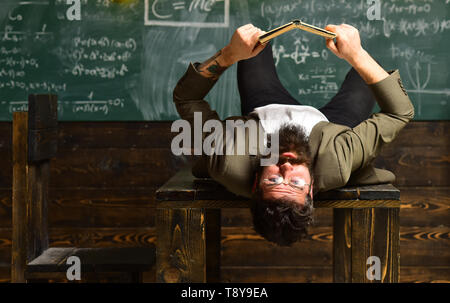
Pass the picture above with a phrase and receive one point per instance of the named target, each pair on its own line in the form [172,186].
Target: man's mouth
[289,155]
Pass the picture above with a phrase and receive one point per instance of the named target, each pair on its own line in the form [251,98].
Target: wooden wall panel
[277,274]
[323,274]
[90,207]
[425,206]
[124,154]
[242,249]
[106,135]
[102,194]
[134,207]
[417,166]
[113,167]
[241,246]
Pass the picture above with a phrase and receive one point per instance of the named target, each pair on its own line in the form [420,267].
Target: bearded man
[319,149]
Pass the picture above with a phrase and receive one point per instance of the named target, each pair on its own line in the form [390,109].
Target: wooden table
[365,224]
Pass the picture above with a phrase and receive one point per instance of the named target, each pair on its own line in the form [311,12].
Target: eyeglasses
[297,183]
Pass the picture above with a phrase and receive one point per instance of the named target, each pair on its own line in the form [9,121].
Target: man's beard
[292,138]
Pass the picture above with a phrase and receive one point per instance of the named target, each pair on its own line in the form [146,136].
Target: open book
[296,24]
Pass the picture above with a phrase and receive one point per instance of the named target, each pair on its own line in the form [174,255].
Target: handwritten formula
[187,13]
[122,59]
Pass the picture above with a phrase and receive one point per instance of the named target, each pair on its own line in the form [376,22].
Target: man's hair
[284,221]
[281,221]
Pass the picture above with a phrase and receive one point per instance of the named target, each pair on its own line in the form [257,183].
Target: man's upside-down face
[290,178]
[287,179]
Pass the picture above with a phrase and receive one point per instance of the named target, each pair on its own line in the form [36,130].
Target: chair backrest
[34,144]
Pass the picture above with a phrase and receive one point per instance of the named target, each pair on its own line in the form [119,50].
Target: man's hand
[348,43]
[244,44]
[348,47]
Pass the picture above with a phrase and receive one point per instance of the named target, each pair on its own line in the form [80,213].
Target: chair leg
[19,198]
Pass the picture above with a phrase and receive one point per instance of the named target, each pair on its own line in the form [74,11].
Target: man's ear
[311,189]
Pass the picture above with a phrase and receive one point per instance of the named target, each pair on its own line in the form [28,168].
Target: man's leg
[259,84]
[352,104]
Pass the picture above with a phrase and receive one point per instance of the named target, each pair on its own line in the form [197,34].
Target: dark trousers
[259,85]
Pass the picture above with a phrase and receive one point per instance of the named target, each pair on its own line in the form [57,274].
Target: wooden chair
[34,144]
[366,223]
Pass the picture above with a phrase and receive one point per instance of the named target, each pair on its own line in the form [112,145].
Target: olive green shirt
[341,155]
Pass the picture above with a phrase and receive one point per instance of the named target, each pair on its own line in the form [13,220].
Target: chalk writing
[407,53]
[92,55]
[299,53]
[27,86]
[84,106]
[121,53]
[103,72]
[418,67]
[97,51]
[411,9]
[105,42]
[10,51]
[416,28]
[392,23]
[20,62]
[11,73]
[318,81]
[20,106]
[9,34]
[103,106]
[167,13]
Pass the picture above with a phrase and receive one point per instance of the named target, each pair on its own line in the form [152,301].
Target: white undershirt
[274,115]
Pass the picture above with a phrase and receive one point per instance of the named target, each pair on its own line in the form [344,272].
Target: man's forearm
[348,47]
[214,66]
[368,68]
[244,45]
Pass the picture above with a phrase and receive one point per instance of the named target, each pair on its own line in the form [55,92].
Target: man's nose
[286,168]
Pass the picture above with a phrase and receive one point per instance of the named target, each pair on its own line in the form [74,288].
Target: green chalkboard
[122,59]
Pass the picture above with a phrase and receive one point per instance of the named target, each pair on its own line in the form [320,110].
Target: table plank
[185,191]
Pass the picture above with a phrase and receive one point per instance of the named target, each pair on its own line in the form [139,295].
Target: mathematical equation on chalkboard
[187,13]
[89,58]
[402,25]
[79,106]
[116,63]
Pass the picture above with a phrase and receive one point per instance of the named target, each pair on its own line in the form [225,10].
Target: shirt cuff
[193,85]
[391,95]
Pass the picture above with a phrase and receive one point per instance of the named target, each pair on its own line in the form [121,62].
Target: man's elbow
[409,115]
[405,109]
[412,113]
[176,96]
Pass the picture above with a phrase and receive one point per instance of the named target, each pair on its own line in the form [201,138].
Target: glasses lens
[296,183]
[274,180]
